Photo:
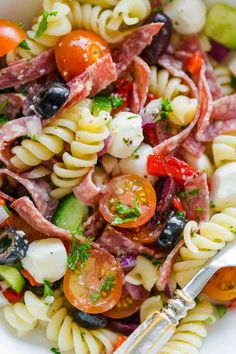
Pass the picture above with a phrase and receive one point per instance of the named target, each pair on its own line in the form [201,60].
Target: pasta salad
[118,165]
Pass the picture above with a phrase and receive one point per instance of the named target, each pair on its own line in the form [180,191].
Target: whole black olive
[39,289]
[160,42]
[89,321]
[50,99]
[13,245]
[171,232]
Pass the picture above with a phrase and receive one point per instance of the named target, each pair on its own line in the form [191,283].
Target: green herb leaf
[158,9]
[44,23]
[212,204]
[106,287]
[24,45]
[221,310]
[3,105]
[183,194]
[82,334]
[101,103]
[210,319]
[233,81]
[195,191]
[34,137]
[47,291]
[79,252]
[179,213]
[3,119]
[132,117]
[126,214]
[116,101]
[55,350]
[165,108]
[20,24]
[200,210]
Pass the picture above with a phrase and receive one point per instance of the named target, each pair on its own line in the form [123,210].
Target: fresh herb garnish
[47,291]
[103,103]
[201,210]
[158,9]
[34,137]
[3,105]
[106,287]
[210,319]
[79,252]
[3,119]
[233,230]
[20,24]
[132,117]
[24,45]
[116,101]
[155,261]
[221,310]
[43,25]
[183,194]
[212,204]
[23,91]
[55,350]
[179,213]
[233,81]
[127,214]
[195,191]
[82,334]
[128,141]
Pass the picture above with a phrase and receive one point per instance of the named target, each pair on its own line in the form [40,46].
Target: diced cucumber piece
[13,277]
[221,25]
[70,213]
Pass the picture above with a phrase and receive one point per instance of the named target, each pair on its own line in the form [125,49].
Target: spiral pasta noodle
[58,25]
[102,3]
[60,327]
[164,85]
[60,130]
[144,273]
[223,77]
[224,149]
[132,11]
[191,331]
[204,244]
[149,306]
[89,140]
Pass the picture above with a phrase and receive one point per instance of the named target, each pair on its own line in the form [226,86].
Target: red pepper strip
[123,89]
[29,277]
[194,63]
[162,166]
[12,296]
[120,341]
[151,134]
[177,204]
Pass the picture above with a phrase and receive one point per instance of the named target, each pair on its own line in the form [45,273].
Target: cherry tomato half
[96,287]
[126,191]
[77,50]
[142,234]
[10,36]
[222,285]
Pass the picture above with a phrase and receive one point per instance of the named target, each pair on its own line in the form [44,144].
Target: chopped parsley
[132,117]
[103,103]
[201,210]
[209,319]
[34,137]
[233,230]
[24,45]
[82,334]
[135,155]
[23,91]
[48,292]
[212,204]
[3,105]
[233,81]
[125,213]
[181,214]
[221,310]
[158,9]
[43,25]
[155,261]
[108,284]
[128,141]
[183,194]
[195,191]
[165,109]
[3,119]
[79,252]
[55,350]
[116,101]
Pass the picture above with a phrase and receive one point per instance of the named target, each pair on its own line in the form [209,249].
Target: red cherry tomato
[141,234]
[222,285]
[127,190]
[96,287]
[10,36]
[77,50]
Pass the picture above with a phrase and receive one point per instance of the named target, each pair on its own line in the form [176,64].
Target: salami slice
[216,128]
[25,71]
[224,108]
[196,200]
[135,99]
[133,45]
[192,146]
[39,191]
[94,225]
[142,74]
[12,104]
[87,191]
[80,88]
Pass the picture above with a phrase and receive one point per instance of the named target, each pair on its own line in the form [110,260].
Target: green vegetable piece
[44,23]
[70,213]
[55,350]
[126,214]
[24,45]
[221,310]
[3,119]
[13,277]
[221,25]
[101,103]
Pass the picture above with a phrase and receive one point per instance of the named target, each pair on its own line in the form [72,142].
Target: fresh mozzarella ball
[188,16]
[201,163]
[223,187]
[46,260]
[184,110]
[126,134]
[137,163]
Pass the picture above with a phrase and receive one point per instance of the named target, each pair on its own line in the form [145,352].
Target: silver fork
[153,333]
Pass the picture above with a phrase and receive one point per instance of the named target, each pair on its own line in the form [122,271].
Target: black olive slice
[13,245]
[171,232]
[89,321]
[50,99]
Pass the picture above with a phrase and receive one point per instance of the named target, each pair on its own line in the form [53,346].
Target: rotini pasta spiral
[89,140]
[202,245]
[184,110]
[224,149]
[61,129]
[132,11]
[58,26]
[191,331]
[144,273]
[223,77]
[163,85]
[149,306]
[102,3]
[59,325]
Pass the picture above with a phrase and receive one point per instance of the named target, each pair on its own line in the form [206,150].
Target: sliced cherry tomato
[141,234]
[222,285]
[126,307]
[12,296]
[10,36]
[120,341]
[96,287]
[77,50]
[177,204]
[195,62]
[131,192]
[29,277]
[163,166]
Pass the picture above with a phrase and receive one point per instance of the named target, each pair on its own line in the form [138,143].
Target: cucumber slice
[221,25]
[13,277]
[70,213]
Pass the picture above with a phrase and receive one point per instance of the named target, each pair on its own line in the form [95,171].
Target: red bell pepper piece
[162,166]
[194,63]
[12,296]
[29,277]
[177,204]
[123,89]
